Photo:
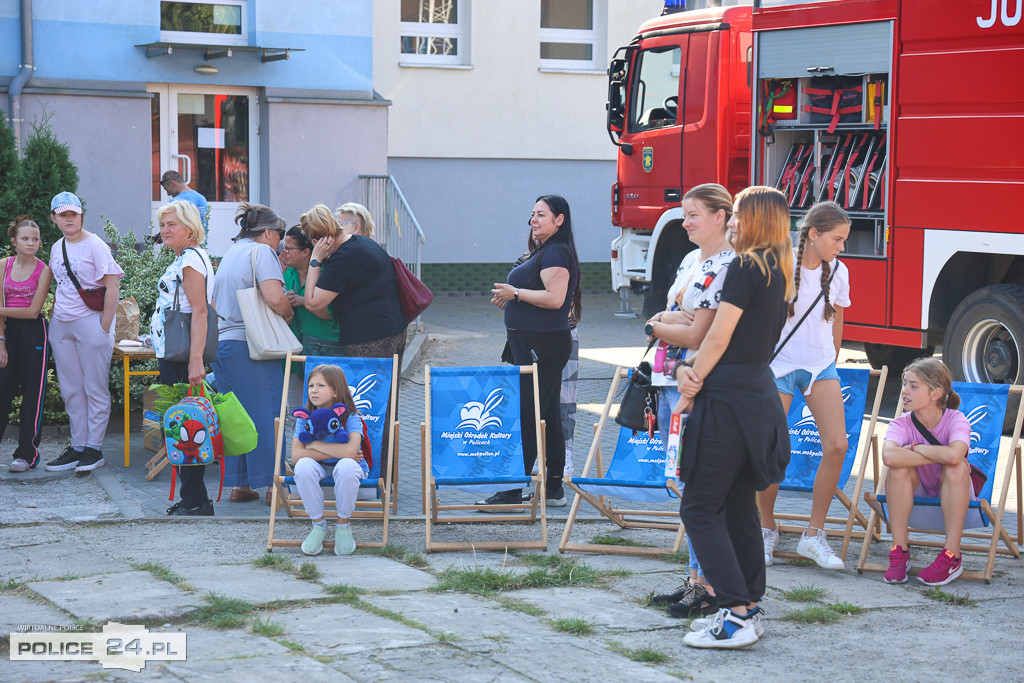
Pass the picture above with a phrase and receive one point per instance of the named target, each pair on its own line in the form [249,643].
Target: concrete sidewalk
[79,552]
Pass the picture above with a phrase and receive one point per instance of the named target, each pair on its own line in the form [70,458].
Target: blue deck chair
[472,441]
[985,406]
[636,474]
[374,385]
[805,454]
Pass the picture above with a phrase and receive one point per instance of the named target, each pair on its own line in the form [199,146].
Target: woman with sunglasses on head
[254,382]
[314,329]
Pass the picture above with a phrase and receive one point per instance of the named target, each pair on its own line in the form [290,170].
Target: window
[571,35]
[433,32]
[220,22]
[655,89]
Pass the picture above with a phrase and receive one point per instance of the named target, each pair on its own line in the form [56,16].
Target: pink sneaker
[899,563]
[944,569]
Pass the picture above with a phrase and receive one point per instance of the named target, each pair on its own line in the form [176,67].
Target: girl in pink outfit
[23,339]
[918,468]
[82,332]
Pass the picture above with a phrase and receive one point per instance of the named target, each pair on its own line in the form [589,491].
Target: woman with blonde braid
[808,363]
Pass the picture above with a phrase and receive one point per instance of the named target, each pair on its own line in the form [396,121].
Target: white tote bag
[267,333]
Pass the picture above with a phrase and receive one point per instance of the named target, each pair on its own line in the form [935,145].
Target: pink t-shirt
[90,260]
[953,426]
[19,293]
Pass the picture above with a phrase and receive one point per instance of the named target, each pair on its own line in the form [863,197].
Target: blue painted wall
[96,41]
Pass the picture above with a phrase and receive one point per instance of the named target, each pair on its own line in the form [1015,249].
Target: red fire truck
[909,113]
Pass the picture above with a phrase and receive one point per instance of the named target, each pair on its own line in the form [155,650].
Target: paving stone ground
[78,552]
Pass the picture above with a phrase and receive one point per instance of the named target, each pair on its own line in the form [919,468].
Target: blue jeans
[667,397]
[257,384]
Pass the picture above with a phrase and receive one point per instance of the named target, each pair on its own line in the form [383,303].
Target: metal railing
[397,229]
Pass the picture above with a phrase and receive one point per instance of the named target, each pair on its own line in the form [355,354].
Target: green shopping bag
[236,426]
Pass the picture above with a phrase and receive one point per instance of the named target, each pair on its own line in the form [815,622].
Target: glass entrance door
[208,135]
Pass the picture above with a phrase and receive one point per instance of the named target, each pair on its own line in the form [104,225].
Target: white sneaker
[726,631]
[771,538]
[702,623]
[817,548]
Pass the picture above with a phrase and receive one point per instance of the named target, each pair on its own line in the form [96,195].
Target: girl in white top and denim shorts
[807,363]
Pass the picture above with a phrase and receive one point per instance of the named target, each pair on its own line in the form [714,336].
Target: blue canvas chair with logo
[985,406]
[636,474]
[472,441]
[805,456]
[374,386]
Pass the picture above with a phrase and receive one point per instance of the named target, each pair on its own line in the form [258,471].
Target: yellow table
[127,356]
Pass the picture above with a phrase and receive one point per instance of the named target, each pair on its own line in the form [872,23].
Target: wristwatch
[516,293]
[314,263]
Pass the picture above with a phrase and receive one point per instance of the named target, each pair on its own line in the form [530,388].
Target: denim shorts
[801,379]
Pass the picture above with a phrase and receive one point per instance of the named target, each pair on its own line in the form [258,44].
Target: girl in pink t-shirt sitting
[918,468]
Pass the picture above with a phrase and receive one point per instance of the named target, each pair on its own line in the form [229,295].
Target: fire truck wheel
[985,336]
[985,340]
[896,357]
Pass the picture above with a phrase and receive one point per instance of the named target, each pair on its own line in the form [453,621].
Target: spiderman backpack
[192,435]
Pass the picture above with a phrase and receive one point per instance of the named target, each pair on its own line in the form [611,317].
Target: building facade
[250,100]
[495,104]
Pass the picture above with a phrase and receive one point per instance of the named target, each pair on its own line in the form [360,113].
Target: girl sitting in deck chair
[918,468]
[328,386]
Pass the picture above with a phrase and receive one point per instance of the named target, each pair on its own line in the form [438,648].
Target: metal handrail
[397,229]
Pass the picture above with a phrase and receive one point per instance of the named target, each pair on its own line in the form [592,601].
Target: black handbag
[639,407]
[178,331]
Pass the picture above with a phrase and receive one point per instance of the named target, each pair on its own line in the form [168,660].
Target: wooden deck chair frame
[291,502]
[997,531]
[433,506]
[624,518]
[854,517]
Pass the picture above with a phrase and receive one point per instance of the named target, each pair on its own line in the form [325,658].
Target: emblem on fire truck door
[648,159]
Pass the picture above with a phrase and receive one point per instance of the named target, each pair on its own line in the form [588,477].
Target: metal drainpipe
[25,75]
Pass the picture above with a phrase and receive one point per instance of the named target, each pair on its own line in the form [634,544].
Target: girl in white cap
[82,332]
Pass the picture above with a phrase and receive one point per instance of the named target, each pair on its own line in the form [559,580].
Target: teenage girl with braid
[808,363]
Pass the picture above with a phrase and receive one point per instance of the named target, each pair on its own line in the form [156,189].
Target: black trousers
[193,484]
[719,509]
[25,373]
[552,350]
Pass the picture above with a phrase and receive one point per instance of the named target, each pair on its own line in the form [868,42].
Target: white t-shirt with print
[692,279]
[194,258]
[90,260]
[812,347]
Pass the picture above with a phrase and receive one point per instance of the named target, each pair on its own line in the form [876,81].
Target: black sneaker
[555,498]
[90,459]
[510,497]
[179,510]
[67,460]
[675,596]
[696,605]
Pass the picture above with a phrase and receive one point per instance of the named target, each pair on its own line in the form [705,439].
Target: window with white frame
[206,22]
[434,32]
[572,34]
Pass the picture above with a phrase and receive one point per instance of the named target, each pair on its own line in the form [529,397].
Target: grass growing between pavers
[822,614]
[164,574]
[308,572]
[352,596]
[397,553]
[551,571]
[521,606]
[268,628]
[608,539]
[807,593]
[281,563]
[222,612]
[800,562]
[10,585]
[647,655]
[681,556]
[578,626]
[958,599]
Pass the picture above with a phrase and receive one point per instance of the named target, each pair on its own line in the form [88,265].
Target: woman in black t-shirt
[537,300]
[737,440]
